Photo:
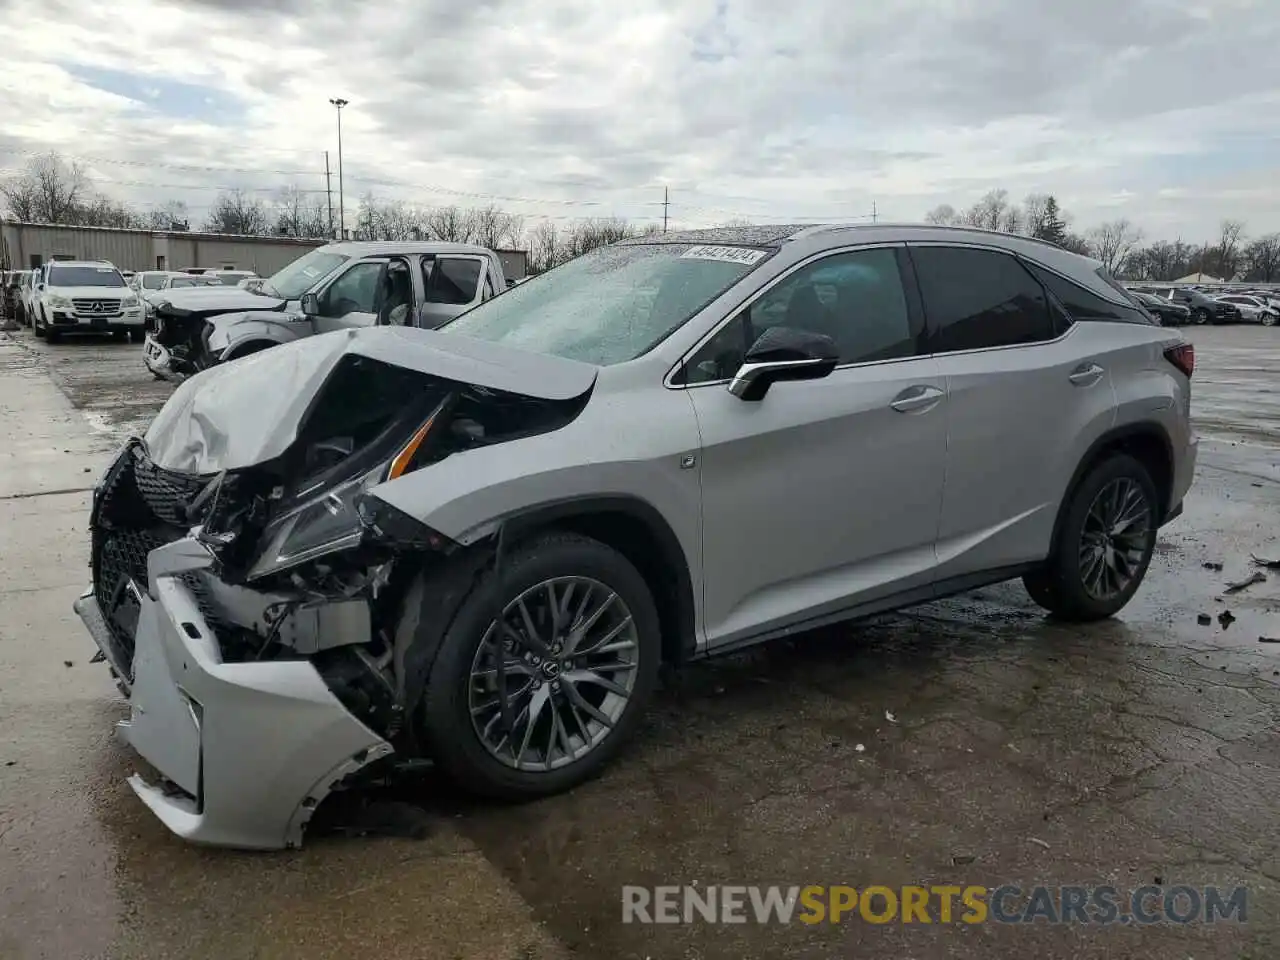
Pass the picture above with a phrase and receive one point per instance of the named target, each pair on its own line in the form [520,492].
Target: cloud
[1162,111]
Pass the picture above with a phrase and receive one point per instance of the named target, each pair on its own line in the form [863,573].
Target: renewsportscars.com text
[813,904]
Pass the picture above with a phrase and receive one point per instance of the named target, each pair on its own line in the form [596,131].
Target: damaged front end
[178,347]
[251,589]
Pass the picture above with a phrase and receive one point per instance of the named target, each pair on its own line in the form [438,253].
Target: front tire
[572,704]
[36,326]
[1201,316]
[1104,546]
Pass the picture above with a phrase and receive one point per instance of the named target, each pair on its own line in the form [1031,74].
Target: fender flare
[1116,437]
[573,511]
[442,589]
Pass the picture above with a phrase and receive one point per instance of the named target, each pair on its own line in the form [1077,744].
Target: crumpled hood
[248,411]
[213,300]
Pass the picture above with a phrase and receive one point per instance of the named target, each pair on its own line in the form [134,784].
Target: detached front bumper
[247,750]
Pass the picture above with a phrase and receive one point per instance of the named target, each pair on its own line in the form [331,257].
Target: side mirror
[311,304]
[782,353]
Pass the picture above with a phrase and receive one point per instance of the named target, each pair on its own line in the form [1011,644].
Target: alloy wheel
[554,674]
[1113,543]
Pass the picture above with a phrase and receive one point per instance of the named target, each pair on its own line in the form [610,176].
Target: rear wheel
[542,677]
[1104,545]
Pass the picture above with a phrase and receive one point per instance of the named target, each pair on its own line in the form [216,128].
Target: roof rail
[821,228]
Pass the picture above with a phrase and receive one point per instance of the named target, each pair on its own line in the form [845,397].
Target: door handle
[917,399]
[1086,375]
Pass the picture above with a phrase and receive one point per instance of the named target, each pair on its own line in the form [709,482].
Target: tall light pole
[342,205]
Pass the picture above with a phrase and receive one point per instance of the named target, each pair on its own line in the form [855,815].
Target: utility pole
[328,192]
[873,211]
[342,201]
[666,202]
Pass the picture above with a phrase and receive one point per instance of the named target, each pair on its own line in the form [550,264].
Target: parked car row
[476,545]
[64,297]
[1207,305]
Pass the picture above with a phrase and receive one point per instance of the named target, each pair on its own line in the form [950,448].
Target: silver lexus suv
[476,545]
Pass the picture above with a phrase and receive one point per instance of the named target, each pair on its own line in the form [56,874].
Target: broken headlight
[344,515]
[324,524]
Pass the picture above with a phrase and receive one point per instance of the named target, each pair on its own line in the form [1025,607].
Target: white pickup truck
[334,287]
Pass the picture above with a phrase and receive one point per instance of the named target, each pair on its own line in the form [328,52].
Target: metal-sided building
[31,244]
[27,245]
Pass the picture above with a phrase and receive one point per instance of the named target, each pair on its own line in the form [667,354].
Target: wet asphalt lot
[1141,750]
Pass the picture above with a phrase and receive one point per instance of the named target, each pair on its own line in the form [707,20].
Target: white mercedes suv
[85,296]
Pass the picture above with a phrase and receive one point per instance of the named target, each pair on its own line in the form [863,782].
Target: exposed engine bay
[308,564]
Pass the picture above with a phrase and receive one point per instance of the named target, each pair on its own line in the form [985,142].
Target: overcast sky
[1163,111]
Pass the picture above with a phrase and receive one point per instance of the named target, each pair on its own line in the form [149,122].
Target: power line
[666,203]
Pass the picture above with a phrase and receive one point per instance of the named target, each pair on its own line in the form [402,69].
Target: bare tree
[492,228]
[101,211]
[1111,243]
[238,213]
[992,212]
[1035,213]
[587,235]
[1230,237]
[48,190]
[295,213]
[942,216]
[544,246]
[62,187]
[170,215]
[1263,257]
[449,223]
[22,198]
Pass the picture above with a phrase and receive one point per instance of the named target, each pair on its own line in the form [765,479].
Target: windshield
[85,277]
[301,275]
[611,305]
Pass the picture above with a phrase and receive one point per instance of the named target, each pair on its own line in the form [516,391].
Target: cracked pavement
[1139,750]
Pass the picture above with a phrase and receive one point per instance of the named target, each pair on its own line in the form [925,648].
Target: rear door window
[453,279]
[975,299]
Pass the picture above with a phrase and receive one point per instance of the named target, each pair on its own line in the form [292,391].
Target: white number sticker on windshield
[741,255]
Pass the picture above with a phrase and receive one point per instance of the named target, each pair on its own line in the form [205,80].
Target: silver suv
[477,544]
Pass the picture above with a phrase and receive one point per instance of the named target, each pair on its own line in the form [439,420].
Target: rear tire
[456,722]
[1104,546]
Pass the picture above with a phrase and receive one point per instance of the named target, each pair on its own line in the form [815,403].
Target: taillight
[1182,356]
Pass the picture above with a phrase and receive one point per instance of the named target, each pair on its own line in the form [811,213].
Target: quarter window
[1082,304]
[856,299]
[980,298]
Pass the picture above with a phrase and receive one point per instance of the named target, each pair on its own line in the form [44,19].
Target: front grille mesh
[167,494]
[140,508]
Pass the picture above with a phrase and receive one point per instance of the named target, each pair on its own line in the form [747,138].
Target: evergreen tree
[1051,227]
